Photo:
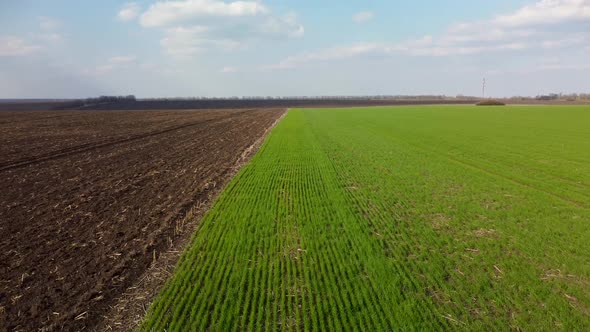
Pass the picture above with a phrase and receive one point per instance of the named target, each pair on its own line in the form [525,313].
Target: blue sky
[151,48]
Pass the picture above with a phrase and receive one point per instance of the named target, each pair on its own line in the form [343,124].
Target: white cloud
[186,42]
[229,69]
[564,66]
[51,38]
[420,47]
[102,69]
[15,46]
[112,64]
[479,33]
[564,42]
[536,30]
[129,12]
[122,59]
[362,17]
[194,26]
[326,54]
[49,31]
[546,12]
[49,23]
[281,26]
[180,12]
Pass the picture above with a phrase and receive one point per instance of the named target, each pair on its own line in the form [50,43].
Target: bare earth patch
[91,199]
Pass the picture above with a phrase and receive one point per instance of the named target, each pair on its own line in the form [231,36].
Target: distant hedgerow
[491,102]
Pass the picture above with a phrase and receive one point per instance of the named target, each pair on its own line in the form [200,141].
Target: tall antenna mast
[483,88]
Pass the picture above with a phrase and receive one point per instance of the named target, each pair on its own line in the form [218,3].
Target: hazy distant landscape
[132,103]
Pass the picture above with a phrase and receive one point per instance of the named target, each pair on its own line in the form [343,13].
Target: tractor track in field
[474,166]
[501,176]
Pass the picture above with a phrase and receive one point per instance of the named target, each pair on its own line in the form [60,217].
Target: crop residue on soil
[89,199]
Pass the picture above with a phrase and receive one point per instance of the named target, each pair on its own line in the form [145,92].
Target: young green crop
[408,218]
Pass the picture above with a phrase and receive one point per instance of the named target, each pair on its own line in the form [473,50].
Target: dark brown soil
[90,199]
[177,104]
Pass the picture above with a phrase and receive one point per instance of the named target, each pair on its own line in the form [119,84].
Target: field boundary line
[130,308]
[250,151]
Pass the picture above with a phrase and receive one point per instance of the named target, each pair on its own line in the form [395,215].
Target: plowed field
[90,199]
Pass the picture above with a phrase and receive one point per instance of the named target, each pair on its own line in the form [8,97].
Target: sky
[183,48]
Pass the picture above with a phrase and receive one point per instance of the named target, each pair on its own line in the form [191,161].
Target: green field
[406,218]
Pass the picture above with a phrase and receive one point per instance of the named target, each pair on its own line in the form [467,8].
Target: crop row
[384,219]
